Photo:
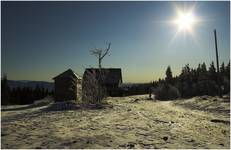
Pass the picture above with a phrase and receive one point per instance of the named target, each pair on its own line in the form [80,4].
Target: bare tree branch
[107,49]
[95,52]
[98,53]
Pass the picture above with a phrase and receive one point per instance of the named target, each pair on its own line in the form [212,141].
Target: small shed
[110,78]
[67,86]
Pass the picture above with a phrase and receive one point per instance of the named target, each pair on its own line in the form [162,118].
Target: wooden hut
[109,78]
[67,86]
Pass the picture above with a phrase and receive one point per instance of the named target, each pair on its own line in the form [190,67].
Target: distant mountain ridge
[31,84]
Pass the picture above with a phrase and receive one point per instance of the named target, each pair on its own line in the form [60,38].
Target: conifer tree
[168,78]
[212,72]
[222,69]
[227,71]
[203,68]
[5,96]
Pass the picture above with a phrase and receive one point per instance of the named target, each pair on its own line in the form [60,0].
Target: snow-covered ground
[131,122]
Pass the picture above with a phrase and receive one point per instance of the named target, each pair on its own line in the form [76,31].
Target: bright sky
[42,39]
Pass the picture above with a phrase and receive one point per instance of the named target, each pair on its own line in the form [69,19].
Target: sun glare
[185,21]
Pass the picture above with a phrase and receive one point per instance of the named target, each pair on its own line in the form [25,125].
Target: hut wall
[79,89]
[64,90]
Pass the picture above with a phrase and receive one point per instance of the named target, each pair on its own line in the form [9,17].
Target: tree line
[21,95]
[194,82]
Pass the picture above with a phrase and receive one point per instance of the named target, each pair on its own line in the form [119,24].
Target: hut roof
[68,73]
[110,75]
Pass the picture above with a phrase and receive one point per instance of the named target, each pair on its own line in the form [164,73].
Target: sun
[185,20]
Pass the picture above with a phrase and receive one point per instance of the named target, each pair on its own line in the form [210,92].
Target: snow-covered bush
[166,92]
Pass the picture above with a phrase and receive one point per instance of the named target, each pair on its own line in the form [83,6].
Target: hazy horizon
[43,39]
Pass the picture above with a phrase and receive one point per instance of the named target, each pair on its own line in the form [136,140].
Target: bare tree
[93,92]
[101,53]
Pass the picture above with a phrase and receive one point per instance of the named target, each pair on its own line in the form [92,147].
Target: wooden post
[217,60]
[215,35]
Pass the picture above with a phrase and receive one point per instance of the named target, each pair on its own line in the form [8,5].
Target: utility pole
[218,74]
[215,35]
